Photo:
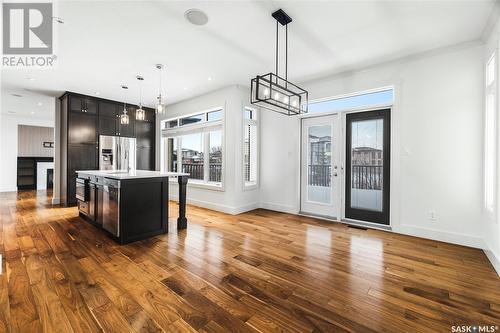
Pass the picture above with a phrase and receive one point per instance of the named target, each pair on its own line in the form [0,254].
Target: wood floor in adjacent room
[256,272]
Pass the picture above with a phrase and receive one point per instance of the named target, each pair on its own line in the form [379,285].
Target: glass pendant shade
[140,114]
[160,108]
[124,119]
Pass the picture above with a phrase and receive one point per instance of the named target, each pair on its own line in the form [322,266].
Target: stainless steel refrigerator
[117,153]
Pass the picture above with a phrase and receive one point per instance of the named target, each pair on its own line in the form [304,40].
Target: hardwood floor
[260,271]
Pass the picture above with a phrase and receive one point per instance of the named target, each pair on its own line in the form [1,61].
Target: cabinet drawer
[83,207]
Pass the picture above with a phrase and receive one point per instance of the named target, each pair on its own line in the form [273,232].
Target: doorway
[320,166]
[345,168]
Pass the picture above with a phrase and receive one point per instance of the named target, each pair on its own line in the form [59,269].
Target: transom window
[357,101]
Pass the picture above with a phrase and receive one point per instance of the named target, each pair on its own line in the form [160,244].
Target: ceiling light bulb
[209,79]
[286,99]
[159,108]
[294,103]
[276,96]
[32,112]
[266,92]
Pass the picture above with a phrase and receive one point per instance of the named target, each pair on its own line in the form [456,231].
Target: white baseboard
[439,235]
[12,189]
[218,207]
[279,207]
[495,261]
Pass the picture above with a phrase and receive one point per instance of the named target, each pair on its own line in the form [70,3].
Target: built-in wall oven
[111,206]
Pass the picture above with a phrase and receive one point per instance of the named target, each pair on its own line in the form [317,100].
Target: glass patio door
[320,188]
[367,166]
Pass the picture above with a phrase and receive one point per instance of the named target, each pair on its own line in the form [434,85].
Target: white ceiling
[104,44]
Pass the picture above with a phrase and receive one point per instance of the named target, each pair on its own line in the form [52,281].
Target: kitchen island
[129,205]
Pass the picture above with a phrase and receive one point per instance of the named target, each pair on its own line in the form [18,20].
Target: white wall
[8,142]
[436,143]
[233,199]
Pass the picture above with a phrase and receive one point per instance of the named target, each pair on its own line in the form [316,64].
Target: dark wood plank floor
[256,272]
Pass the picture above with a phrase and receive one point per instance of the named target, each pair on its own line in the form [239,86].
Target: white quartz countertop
[122,174]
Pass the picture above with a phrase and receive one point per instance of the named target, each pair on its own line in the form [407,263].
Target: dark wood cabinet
[145,133]
[82,128]
[80,157]
[86,118]
[108,109]
[90,105]
[83,104]
[145,158]
[108,126]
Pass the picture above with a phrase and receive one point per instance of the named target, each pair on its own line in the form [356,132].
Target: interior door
[320,184]
[367,166]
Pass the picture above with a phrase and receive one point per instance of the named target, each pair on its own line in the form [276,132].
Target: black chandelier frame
[276,93]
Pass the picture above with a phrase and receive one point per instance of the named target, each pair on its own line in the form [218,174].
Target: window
[195,146]
[192,119]
[250,147]
[215,157]
[172,123]
[490,131]
[381,97]
[215,115]
[192,155]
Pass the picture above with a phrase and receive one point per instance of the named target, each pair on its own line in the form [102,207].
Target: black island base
[129,206]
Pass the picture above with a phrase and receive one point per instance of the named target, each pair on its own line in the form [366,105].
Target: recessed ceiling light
[32,112]
[185,88]
[209,78]
[97,93]
[31,78]
[39,103]
[11,112]
[17,95]
[196,16]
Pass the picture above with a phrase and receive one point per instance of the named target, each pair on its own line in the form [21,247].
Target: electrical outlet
[432,215]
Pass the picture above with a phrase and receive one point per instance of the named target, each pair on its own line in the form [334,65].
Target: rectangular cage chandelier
[273,92]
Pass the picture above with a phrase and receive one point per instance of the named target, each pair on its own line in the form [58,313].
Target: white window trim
[178,131]
[246,122]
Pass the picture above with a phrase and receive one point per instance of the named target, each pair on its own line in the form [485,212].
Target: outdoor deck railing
[195,171]
[368,177]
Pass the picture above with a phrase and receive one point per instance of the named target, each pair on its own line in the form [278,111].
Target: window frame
[490,206]
[205,128]
[252,122]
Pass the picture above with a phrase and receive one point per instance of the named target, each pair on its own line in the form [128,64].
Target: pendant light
[160,108]
[124,119]
[140,114]
[274,92]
